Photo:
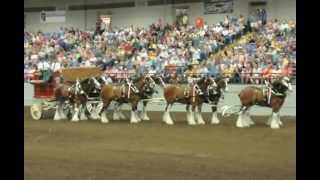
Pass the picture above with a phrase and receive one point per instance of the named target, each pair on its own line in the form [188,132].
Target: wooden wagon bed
[71,74]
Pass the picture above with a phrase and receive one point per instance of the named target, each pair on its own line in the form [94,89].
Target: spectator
[159,46]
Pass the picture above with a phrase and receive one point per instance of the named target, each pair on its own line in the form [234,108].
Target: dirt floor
[89,150]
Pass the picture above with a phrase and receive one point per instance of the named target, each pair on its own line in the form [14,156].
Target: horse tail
[229,110]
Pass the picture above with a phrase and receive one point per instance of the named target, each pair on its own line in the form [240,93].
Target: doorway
[253,6]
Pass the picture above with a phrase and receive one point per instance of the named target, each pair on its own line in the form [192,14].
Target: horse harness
[130,86]
[195,91]
[268,91]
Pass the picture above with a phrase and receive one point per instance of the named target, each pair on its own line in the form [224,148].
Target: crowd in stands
[244,50]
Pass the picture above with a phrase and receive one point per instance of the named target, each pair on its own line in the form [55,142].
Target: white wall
[144,16]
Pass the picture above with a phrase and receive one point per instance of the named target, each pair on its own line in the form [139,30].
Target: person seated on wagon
[44,69]
[56,70]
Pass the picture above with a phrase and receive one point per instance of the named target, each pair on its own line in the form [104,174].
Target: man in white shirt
[44,68]
[56,68]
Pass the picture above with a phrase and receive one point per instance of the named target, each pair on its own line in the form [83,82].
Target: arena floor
[89,150]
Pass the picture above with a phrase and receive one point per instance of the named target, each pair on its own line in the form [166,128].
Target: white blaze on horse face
[290,87]
[226,81]
[285,83]
[97,84]
[78,86]
[153,83]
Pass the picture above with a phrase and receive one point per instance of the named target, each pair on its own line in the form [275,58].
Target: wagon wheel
[36,111]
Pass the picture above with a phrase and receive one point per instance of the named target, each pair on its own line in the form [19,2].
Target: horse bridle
[216,89]
[286,82]
[79,90]
[148,88]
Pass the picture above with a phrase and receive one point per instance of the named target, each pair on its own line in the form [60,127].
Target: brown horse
[131,92]
[147,92]
[185,94]
[272,97]
[85,89]
[64,95]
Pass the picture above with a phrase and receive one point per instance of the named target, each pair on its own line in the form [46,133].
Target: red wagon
[44,92]
[43,95]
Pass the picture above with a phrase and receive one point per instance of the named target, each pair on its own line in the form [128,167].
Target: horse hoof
[275,127]
[103,120]
[146,119]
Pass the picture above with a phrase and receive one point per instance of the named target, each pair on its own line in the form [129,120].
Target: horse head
[222,83]
[287,82]
[90,85]
[282,85]
[149,86]
[205,82]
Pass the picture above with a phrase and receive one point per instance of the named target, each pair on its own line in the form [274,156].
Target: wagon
[44,92]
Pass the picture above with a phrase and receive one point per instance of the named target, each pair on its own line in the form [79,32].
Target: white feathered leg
[199,118]
[57,114]
[133,118]
[104,118]
[214,118]
[94,113]
[83,113]
[240,121]
[190,118]
[75,117]
[144,115]
[96,109]
[62,114]
[274,122]
[167,118]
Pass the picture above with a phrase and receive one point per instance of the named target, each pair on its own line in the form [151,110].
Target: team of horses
[204,90]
